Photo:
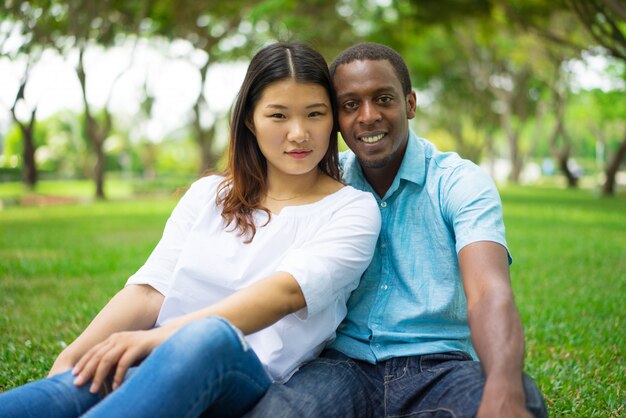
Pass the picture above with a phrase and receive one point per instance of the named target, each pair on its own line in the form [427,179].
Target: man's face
[373,112]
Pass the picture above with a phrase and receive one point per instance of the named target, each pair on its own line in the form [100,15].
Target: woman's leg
[205,365]
[55,397]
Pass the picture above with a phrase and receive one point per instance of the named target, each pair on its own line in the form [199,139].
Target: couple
[258,268]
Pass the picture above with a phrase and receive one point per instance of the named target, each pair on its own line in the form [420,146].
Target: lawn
[60,264]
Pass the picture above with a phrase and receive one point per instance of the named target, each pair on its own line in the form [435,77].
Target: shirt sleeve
[472,206]
[330,264]
[159,268]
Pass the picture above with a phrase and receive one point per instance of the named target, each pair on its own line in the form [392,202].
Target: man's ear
[411,105]
[250,126]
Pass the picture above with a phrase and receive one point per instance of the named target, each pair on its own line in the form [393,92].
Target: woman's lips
[298,155]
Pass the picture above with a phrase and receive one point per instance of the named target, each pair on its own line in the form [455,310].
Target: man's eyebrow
[381,90]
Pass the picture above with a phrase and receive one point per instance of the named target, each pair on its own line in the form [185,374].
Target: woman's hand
[61,364]
[117,353]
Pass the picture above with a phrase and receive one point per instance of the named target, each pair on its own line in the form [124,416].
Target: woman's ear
[250,126]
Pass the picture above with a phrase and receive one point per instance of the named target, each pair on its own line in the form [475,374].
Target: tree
[32,41]
[27,129]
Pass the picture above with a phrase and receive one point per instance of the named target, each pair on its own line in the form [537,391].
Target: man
[440,271]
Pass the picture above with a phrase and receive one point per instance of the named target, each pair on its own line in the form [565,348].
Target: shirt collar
[412,169]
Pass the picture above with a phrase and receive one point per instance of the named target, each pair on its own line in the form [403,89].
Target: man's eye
[385,99]
[350,105]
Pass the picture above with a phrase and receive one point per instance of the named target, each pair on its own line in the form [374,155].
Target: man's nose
[368,113]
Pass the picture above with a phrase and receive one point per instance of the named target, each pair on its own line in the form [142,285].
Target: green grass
[60,264]
[115,187]
[569,277]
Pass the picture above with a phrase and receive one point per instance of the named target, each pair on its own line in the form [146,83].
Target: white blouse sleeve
[159,268]
[330,264]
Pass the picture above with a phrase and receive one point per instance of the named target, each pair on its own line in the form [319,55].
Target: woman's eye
[315,114]
[277,116]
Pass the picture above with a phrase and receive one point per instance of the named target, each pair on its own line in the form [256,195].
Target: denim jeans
[434,385]
[204,369]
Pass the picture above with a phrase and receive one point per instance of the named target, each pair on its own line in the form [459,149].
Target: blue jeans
[204,369]
[434,385]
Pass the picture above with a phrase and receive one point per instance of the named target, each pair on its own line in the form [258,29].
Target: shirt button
[383,204]
[384,287]
[383,245]
[377,345]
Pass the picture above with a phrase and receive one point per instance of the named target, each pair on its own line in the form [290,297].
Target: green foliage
[567,275]
[475,60]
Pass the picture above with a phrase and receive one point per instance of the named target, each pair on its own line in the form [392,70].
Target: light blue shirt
[411,300]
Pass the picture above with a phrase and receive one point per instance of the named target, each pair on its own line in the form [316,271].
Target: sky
[172,78]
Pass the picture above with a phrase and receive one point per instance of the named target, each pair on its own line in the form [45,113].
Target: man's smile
[371,138]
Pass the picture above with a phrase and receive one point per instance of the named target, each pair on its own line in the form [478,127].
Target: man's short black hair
[367,51]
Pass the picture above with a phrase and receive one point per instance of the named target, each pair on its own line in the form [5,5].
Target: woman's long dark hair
[240,193]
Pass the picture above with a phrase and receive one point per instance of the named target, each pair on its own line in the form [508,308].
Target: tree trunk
[29,166]
[99,170]
[608,189]
[512,137]
[29,169]
[96,132]
[561,155]
[572,179]
[204,138]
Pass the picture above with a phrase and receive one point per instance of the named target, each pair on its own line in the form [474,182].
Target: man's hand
[498,401]
[117,353]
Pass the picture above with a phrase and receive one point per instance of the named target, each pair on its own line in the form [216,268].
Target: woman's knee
[207,336]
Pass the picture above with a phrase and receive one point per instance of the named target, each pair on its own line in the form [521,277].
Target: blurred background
[108,107]
[121,97]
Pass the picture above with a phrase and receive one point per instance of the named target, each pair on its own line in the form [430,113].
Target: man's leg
[442,385]
[206,364]
[330,386]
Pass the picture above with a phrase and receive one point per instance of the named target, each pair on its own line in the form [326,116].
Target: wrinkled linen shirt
[325,245]
[411,300]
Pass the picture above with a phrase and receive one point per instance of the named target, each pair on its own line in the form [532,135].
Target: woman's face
[292,122]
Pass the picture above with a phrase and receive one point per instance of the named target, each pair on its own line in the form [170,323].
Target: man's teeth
[372,139]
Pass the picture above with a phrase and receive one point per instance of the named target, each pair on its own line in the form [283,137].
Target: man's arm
[496,328]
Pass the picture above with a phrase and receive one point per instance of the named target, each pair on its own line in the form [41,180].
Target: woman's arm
[326,267]
[132,308]
[250,309]
[255,307]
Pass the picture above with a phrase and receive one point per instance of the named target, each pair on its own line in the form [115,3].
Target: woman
[271,250]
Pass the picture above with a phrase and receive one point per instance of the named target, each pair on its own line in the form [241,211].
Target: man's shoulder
[445,164]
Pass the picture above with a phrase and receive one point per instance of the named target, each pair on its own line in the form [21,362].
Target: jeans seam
[405,369]
[424,411]
[331,363]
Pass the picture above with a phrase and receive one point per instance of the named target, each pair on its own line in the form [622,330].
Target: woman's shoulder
[347,196]
[202,189]
[207,183]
